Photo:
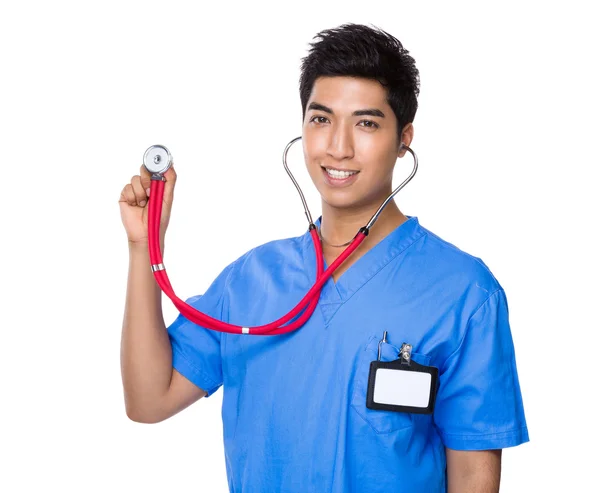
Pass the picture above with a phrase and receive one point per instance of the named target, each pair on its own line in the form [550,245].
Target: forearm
[146,358]
[473,471]
[474,483]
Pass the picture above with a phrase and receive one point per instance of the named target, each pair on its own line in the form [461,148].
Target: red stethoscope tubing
[309,301]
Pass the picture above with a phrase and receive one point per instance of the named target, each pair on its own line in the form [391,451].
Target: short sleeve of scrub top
[479,405]
[196,349]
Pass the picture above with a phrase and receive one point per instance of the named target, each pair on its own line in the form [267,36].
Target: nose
[340,144]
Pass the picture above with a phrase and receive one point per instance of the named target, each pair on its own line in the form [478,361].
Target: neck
[339,226]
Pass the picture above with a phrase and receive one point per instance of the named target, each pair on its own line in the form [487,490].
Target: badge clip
[405,353]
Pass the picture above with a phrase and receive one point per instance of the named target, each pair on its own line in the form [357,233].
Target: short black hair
[356,50]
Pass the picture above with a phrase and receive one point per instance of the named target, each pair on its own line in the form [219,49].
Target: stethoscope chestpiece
[157,159]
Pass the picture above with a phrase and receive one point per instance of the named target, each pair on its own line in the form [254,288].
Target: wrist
[138,245]
[142,245]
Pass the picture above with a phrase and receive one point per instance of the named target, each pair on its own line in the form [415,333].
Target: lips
[339,182]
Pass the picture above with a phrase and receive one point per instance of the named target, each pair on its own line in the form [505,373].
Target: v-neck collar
[364,268]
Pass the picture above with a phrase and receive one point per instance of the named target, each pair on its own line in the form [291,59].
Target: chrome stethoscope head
[157,160]
[376,215]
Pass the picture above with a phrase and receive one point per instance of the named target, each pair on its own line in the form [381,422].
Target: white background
[506,134]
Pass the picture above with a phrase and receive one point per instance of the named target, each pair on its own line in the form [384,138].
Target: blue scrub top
[294,405]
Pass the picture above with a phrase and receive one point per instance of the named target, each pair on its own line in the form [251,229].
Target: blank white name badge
[402,386]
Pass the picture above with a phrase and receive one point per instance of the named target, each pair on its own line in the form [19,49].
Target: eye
[317,117]
[371,123]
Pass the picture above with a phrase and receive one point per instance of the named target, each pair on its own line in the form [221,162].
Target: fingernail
[143,203]
[147,191]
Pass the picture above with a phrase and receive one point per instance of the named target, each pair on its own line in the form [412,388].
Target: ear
[407,136]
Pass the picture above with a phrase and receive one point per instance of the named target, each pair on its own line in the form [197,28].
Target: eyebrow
[369,112]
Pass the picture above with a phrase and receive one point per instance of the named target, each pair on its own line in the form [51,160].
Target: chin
[341,201]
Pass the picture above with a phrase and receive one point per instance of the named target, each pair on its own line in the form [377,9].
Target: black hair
[357,50]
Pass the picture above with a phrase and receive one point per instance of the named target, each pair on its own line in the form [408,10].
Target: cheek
[311,163]
[374,163]
[315,141]
[313,157]
[377,175]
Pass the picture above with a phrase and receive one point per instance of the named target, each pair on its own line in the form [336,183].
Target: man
[294,406]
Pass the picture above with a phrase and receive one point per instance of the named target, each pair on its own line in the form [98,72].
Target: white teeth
[340,174]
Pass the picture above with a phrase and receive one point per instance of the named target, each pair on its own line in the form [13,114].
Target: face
[350,127]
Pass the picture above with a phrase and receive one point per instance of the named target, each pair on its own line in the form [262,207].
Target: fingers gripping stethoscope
[157,160]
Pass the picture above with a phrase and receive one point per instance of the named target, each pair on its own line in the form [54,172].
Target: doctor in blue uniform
[294,405]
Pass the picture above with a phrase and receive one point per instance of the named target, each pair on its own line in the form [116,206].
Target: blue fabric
[294,405]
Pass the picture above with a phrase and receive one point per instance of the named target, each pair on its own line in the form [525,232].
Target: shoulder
[449,265]
[457,286]
[272,255]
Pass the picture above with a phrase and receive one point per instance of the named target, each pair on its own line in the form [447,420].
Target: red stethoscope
[157,160]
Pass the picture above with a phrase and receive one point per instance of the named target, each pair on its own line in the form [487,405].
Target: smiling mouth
[338,174]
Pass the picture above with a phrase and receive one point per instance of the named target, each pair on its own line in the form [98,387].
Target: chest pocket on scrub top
[380,420]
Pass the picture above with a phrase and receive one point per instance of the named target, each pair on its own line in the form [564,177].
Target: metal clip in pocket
[379,345]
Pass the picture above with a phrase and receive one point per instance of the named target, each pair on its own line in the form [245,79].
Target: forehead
[349,93]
